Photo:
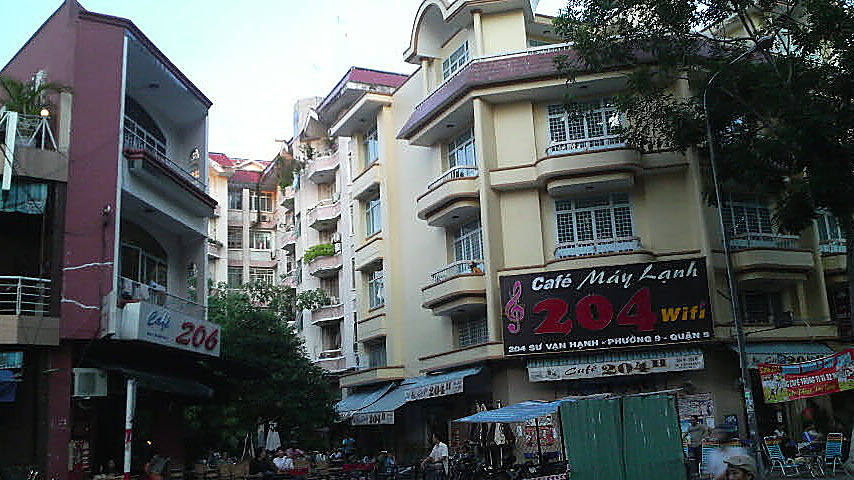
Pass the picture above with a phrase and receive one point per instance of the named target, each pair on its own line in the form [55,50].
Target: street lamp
[761,43]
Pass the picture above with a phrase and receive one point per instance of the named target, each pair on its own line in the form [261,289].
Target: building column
[59,388]
[478,33]
[246,221]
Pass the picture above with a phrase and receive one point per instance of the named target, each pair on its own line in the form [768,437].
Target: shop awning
[783,353]
[439,385]
[611,364]
[361,399]
[163,383]
[519,412]
[381,412]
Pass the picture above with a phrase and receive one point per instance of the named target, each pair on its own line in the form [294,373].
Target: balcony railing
[460,171]
[30,130]
[596,247]
[130,290]
[833,245]
[324,210]
[762,240]
[460,267]
[137,138]
[24,295]
[586,145]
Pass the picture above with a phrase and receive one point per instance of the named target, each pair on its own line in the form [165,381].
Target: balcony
[333,363]
[456,288]
[834,260]
[289,280]
[452,198]
[760,258]
[463,356]
[288,197]
[151,314]
[328,314]
[289,239]
[372,326]
[25,305]
[324,215]
[372,375]
[35,150]
[367,183]
[321,169]
[326,266]
[602,246]
[215,249]
[370,253]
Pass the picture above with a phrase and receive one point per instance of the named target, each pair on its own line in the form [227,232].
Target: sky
[253,58]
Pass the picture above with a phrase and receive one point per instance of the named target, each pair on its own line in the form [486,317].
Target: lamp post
[749,407]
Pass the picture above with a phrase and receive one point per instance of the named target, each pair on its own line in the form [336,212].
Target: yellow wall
[504,32]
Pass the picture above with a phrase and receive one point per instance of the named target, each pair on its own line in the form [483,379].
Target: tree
[281,384]
[28,98]
[782,119]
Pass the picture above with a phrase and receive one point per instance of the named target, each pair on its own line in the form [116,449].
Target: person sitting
[384,465]
[739,467]
[812,438]
[283,462]
[293,451]
[261,464]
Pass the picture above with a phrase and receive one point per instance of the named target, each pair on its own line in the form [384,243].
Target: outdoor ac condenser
[90,382]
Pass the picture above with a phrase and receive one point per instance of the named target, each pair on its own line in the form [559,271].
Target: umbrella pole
[539,447]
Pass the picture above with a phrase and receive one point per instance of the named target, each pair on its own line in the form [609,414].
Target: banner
[831,374]
[448,387]
[617,367]
[375,418]
[642,304]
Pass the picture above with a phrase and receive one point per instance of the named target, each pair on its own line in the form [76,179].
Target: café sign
[617,367]
[634,305]
[375,418]
[152,323]
[440,389]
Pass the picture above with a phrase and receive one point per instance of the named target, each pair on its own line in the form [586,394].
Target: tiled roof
[242,176]
[377,77]
[221,159]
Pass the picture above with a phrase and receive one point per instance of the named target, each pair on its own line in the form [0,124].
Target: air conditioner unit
[263,218]
[90,382]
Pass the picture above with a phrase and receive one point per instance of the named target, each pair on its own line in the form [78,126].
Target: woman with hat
[739,467]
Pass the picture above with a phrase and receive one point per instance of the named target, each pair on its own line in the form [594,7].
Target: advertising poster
[823,376]
[635,305]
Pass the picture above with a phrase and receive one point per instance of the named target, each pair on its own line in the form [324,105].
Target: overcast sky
[253,58]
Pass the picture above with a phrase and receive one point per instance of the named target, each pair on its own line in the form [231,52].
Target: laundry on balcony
[29,198]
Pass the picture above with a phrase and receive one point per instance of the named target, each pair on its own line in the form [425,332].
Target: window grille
[457,60]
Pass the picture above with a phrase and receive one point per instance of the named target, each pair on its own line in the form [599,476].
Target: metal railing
[30,130]
[586,145]
[596,247]
[131,290]
[762,240]
[136,138]
[833,245]
[24,295]
[460,267]
[460,171]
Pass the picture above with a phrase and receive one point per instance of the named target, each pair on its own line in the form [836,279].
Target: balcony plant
[320,250]
[286,167]
[27,98]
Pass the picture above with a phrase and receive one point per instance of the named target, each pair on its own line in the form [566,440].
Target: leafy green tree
[782,117]
[280,385]
[27,98]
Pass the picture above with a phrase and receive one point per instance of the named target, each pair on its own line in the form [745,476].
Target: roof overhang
[361,115]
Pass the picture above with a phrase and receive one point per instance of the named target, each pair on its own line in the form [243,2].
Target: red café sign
[823,376]
[634,305]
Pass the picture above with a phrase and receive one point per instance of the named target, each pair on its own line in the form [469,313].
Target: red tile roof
[377,77]
[221,159]
[242,176]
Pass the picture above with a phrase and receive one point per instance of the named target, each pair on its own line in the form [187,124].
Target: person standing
[435,466]
[348,445]
[697,431]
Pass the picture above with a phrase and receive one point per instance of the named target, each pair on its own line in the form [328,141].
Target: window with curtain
[461,151]
[331,337]
[375,289]
[376,353]
[595,224]
[260,240]
[235,199]
[372,147]
[261,201]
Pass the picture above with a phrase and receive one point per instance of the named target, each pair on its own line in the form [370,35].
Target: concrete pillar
[63,122]
[59,389]
[478,33]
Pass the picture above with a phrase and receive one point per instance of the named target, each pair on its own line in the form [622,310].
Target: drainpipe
[130,410]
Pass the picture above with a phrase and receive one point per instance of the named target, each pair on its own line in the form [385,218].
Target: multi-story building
[244,245]
[526,252]
[105,228]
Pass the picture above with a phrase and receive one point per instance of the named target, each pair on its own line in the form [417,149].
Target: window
[330,338]
[467,242]
[472,331]
[298,272]
[586,126]
[456,60]
[235,277]
[326,236]
[376,353]
[262,275]
[375,289]
[538,43]
[261,201]
[372,147]
[461,150]
[762,307]
[143,267]
[829,229]
[326,191]
[260,240]
[235,237]
[746,215]
[297,225]
[235,199]
[330,287]
[591,225]
[353,273]
[373,217]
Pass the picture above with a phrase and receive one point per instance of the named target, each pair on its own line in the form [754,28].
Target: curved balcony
[603,246]
[322,168]
[369,253]
[324,215]
[452,198]
[372,326]
[289,240]
[332,361]
[762,258]
[463,356]
[367,183]
[323,267]
[327,314]
[456,288]
[372,375]
[288,196]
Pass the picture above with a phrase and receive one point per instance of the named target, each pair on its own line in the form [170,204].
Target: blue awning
[389,402]
[519,412]
[358,400]
[8,386]
[439,385]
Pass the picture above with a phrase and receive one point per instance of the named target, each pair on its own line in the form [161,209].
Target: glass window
[331,339]
[235,277]
[262,275]
[828,228]
[472,331]
[375,289]
[330,287]
[373,217]
[260,240]
[235,199]
[461,151]
[747,215]
[467,242]
[372,147]
[261,201]
[376,354]
[761,307]
[140,266]
[586,126]
[235,237]
[591,225]
[456,60]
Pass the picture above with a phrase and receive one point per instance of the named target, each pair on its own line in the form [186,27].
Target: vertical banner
[831,374]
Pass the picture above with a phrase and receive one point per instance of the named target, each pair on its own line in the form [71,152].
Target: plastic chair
[708,447]
[778,460]
[833,451]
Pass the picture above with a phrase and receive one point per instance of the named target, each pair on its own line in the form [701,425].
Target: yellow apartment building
[526,252]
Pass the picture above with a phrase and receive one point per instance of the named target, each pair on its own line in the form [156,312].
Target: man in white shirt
[282,462]
[435,466]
